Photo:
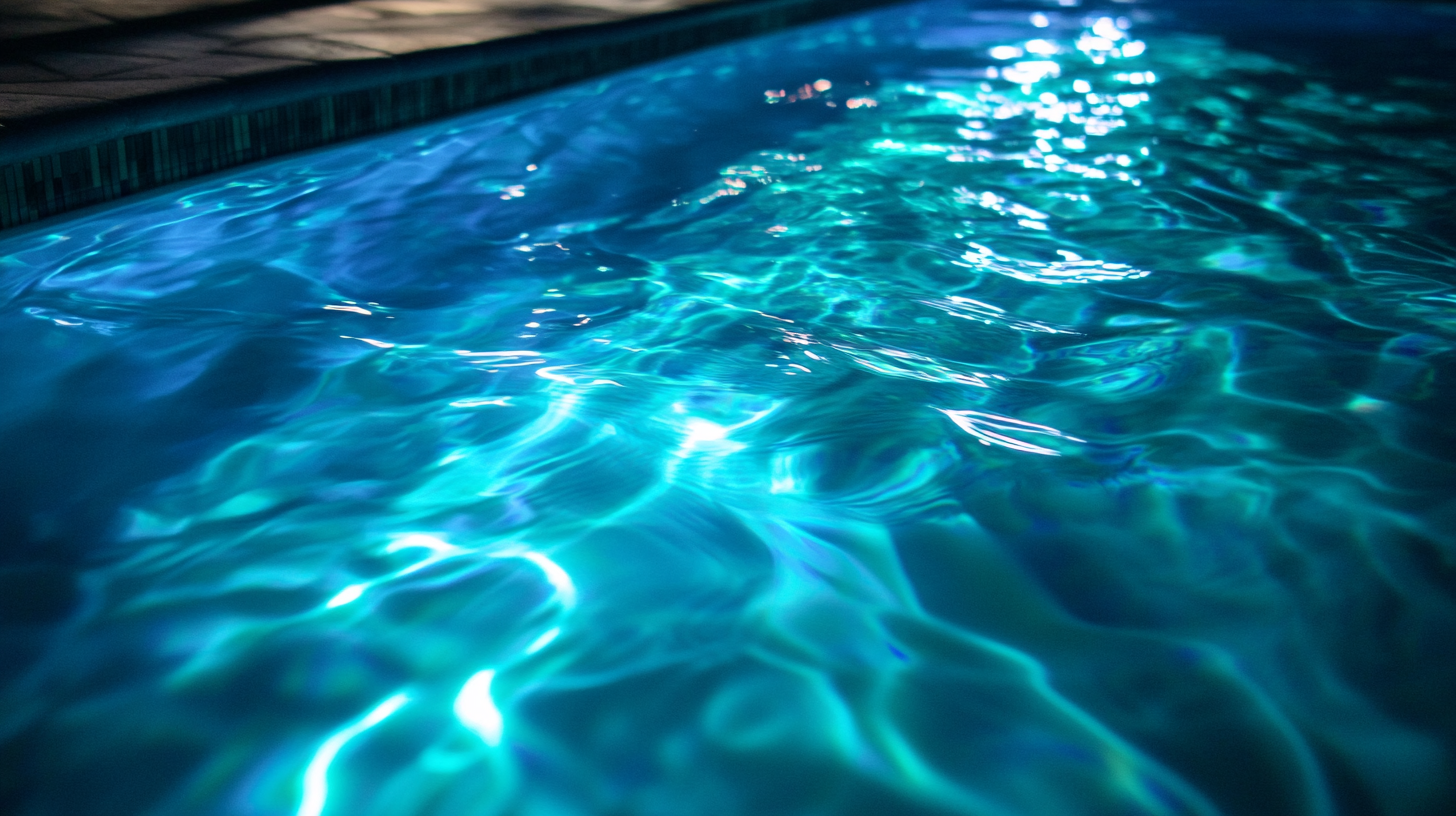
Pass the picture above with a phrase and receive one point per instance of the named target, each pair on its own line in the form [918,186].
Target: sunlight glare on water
[963,408]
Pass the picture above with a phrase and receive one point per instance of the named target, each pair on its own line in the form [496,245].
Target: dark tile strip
[103,171]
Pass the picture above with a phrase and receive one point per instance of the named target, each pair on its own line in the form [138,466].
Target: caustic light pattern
[966,408]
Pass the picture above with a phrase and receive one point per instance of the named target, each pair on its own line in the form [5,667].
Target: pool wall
[96,156]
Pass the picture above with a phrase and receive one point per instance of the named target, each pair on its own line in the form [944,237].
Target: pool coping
[67,162]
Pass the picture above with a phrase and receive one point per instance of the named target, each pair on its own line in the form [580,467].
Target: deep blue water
[1003,409]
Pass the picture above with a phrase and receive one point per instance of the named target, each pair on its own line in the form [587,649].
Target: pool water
[1006,409]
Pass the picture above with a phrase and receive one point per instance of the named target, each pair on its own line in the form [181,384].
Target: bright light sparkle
[316,776]
[543,641]
[477,711]
[348,595]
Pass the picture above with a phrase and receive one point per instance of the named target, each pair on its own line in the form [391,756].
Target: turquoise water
[965,408]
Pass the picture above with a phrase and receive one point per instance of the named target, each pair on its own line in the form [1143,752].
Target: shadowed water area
[966,408]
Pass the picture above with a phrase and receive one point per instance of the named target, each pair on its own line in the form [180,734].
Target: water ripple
[963,408]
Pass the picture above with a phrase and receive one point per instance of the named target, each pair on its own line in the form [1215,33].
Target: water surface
[1004,409]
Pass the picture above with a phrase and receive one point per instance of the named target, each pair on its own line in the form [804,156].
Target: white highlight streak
[543,641]
[476,710]
[316,777]
[565,589]
[348,595]
[985,427]
[439,550]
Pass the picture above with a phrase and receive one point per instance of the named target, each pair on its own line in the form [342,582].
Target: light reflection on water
[956,409]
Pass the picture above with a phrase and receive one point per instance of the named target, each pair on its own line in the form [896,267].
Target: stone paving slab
[195,54]
[32,21]
[124,108]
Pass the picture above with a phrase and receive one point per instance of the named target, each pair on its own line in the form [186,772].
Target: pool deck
[101,99]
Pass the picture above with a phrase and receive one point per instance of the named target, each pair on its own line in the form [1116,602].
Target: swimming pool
[968,407]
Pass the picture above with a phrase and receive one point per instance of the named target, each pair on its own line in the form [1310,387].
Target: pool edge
[100,155]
